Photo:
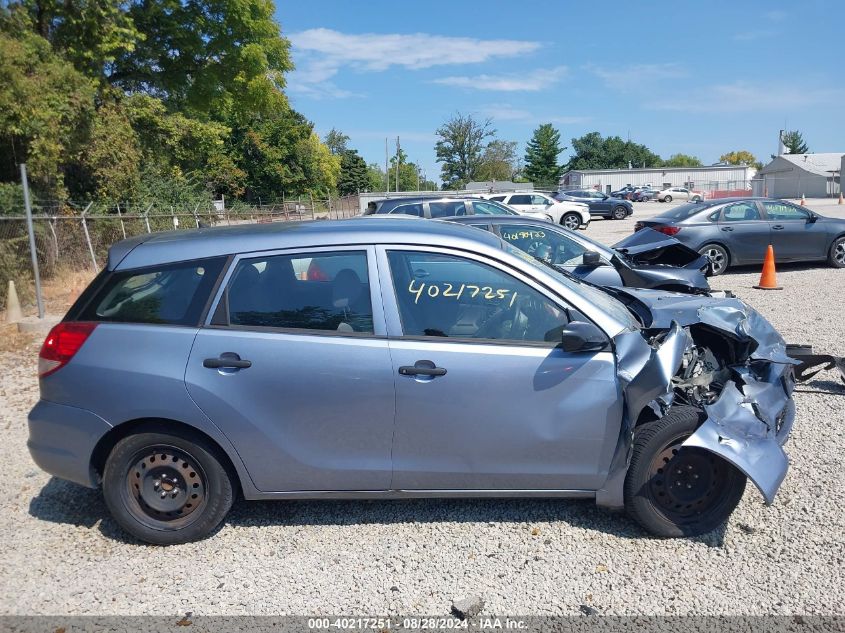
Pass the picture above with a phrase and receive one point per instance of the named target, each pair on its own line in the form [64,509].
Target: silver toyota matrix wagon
[394,359]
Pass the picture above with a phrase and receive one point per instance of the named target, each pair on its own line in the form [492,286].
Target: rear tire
[675,491]
[667,199]
[571,221]
[719,256]
[620,213]
[836,257]
[165,487]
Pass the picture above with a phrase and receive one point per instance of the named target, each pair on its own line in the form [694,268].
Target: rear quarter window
[172,294]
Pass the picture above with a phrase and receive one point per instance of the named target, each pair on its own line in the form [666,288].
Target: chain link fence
[74,238]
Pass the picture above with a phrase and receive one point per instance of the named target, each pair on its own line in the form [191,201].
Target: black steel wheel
[837,253]
[166,488]
[672,490]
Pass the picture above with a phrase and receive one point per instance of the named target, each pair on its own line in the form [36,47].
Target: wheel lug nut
[163,495]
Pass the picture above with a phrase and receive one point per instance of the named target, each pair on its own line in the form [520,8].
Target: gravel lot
[64,555]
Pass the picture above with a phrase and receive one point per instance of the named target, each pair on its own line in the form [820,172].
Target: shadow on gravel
[64,502]
[826,387]
[782,267]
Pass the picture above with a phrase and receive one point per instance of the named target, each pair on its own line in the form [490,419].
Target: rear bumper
[62,439]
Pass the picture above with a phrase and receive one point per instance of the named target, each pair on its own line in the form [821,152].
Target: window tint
[174,294]
[498,198]
[448,296]
[548,245]
[539,200]
[485,207]
[447,209]
[317,291]
[520,199]
[683,211]
[740,211]
[777,210]
[409,209]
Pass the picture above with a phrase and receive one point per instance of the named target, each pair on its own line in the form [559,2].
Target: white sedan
[572,215]
[679,193]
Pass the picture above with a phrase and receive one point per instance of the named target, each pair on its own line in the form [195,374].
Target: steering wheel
[509,322]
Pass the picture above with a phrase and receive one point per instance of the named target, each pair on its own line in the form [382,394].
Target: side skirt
[422,494]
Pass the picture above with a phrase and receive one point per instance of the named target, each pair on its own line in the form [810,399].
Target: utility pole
[386,169]
[397,163]
[33,253]
[418,176]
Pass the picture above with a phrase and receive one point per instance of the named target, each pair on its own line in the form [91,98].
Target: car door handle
[778,227]
[727,228]
[230,362]
[420,370]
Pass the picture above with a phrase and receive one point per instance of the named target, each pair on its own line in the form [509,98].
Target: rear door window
[172,294]
[520,199]
[408,209]
[447,209]
[327,291]
[740,211]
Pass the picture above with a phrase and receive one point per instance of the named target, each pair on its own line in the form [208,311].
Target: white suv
[572,215]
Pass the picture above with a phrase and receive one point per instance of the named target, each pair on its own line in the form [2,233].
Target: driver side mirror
[580,336]
[590,258]
[812,218]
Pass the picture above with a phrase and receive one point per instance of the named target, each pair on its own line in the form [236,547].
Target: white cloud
[741,96]
[505,112]
[637,76]
[531,81]
[320,53]
[776,15]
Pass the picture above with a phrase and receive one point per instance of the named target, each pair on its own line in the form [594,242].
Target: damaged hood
[718,355]
[647,259]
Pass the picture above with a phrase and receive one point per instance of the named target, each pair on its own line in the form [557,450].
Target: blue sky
[698,78]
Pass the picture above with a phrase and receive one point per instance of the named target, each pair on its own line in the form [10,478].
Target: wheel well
[117,433]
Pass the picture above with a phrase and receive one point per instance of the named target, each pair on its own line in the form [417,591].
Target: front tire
[836,257]
[620,213]
[571,221]
[719,257]
[672,490]
[166,488]
[667,199]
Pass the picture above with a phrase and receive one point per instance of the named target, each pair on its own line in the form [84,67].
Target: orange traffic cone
[769,278]
[803,202]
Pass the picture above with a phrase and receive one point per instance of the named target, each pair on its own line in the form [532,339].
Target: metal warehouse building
[794,175]
[716,179]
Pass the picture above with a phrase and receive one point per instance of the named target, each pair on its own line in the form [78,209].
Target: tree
[46,108]
[225,58]
[460,148]
[353,172]
[740,157]
[541,155]
[682,160]
[91,34]
[592,151]
[499,161]
[376,180]
[336,141]
[794,142]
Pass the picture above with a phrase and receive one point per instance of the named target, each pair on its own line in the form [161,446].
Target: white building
[794,175]
[717,179]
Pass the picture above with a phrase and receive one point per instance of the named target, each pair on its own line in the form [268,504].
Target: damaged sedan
[646,259]
[427,359]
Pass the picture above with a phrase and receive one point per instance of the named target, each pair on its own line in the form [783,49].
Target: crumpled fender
[749,422]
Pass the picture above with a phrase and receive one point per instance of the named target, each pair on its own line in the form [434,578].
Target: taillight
[668,230]
[61,344]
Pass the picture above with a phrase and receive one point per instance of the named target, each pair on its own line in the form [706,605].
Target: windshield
[684,211]
[600,299]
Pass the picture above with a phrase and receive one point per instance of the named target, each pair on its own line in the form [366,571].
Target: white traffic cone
[13,305]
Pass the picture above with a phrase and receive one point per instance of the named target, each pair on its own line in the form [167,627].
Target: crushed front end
[720,356]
